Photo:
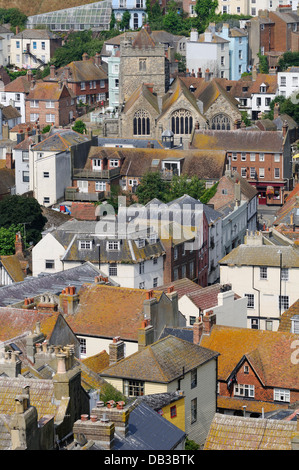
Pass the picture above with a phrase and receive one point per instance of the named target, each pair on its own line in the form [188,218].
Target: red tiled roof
[108,311]
[269,353]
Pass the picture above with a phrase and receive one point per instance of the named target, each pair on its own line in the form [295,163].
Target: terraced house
[86,78]
[50,104]
[167,365]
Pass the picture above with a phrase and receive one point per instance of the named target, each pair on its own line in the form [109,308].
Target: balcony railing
[83,173]
[71,194]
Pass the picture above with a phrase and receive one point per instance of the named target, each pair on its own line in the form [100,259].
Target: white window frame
[263,273]
[112,269]
[113,245]
[85,244]
[280,394]
[100,186]
[250,300]
[244,390]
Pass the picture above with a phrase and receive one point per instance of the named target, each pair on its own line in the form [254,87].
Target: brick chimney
[101,431]
[68,300]
[9,160]
[85,56]
[209,319]
[52,72]
[47,304]
[276,110]
[285,128]
[97,59]
[19,244]
[116,350]
[145,335]
[197,330]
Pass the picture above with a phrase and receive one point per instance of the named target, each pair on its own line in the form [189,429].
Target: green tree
[288,59]
[181,185]
[16,210]
[151,186]
[125,21]
[13,16]
[263,63]
[76,45]
[205,10]
[7,239]
[79,126]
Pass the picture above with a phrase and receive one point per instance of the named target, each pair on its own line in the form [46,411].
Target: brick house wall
[269,168]
[267,37]
[63,111]
[261,393]
[282,34]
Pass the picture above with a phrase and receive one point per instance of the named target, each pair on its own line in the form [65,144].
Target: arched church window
[141,123]
[181,122]
[221,122]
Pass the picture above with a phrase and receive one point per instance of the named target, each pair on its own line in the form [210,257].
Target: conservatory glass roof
[90,16]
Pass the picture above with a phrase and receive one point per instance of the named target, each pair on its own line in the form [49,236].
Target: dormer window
[113,162]
[113,245]
[96,164]
[140,242]
[85,244]
[263,88]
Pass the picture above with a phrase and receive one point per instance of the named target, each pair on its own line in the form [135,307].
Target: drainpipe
[259,293]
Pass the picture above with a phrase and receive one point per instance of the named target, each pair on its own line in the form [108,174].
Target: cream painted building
[32,48]
[230,310]
[247,7]
[267,276]
[168,365]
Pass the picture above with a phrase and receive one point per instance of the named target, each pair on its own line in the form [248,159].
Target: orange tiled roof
[16,321]
[269,353]
[108,311]
[285,320]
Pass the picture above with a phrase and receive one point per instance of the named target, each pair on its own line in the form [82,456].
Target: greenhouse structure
[95,16]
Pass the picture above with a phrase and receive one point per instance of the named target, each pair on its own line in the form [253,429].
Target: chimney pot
[84,417]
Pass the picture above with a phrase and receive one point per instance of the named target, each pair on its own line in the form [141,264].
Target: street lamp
[280,264]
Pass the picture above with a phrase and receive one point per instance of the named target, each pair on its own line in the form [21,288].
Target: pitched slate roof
[238,140]
[35,34]
[106,311]
[60,140]
[210,94]
[80,71]
[206,164]
[143,39]
[269,353]
[177,89]
[162,362]
[148,431]
[264,255]
[142,91]
[33,286]
[238,433]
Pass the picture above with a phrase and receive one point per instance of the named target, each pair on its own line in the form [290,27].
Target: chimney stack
[145,335]
[97,59]
[197,330]
[68,300]
[52,72]
[209,319]
[116,350]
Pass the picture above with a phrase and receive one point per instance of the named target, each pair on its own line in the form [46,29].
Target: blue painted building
[238,50]
[136,8]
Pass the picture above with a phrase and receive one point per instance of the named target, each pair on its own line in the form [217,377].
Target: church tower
[142,61]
